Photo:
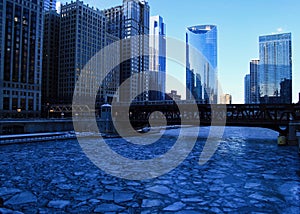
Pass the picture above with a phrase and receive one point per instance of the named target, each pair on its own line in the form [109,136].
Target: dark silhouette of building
[50,58]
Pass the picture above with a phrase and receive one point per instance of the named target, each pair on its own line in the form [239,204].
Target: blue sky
[239,23]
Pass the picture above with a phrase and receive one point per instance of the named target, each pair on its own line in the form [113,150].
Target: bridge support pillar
[298,136]
[292,137]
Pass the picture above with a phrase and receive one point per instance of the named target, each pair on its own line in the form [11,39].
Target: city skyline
[238,33]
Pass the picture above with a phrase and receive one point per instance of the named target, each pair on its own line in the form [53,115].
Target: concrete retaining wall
[37,126]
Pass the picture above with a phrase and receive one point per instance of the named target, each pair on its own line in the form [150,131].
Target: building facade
[226,99]
[50,58]
[173,96]
[21,41]
[112,80]
[201,68]
[157,65]
[247,89]
[254,88]
[82,35]
[275,68]
[129,22]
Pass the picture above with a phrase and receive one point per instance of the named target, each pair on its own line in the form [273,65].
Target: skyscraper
[275,68]
[254,88]
[21,58]
[82,35]
[201,72]
[112,80]
[157,58]
[128,22]
[247,90]
[50,58]
[50,5]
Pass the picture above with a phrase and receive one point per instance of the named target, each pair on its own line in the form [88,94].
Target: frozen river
[248,173]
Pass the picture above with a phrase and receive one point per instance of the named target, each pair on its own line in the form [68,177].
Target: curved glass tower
[201,69]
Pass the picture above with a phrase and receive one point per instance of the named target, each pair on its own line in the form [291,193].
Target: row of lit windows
[88,15]
[15,103]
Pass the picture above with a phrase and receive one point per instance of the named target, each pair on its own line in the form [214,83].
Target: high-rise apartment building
[254,88]
[50,5]
[247,90]
[82,35]
[114,20]
[50,58]
[201,56]
[157,66]
[130,22]
[21,41]
[275,68]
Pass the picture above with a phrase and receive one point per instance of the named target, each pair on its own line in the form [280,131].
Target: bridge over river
[276,117]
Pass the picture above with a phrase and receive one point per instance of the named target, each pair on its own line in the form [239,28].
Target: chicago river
[249,173]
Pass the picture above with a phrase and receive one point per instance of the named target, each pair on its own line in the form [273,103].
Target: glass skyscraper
[275,68]
[157,57]
[254,92]
[201,69]
[247,90]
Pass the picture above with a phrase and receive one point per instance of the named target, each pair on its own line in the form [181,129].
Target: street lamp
[19,110]
[50,111]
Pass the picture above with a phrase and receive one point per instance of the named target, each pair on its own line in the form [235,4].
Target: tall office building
[275,68]
[82,35]
[201,72]
[247,90]
[50,58]
[21,58]
[49,5]
[254,88]
[157,65]
[128,22]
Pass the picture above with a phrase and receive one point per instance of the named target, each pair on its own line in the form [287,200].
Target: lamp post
[50,111]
